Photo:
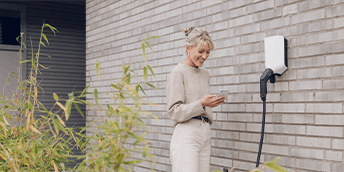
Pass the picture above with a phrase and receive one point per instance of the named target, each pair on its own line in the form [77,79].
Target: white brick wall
[304,122]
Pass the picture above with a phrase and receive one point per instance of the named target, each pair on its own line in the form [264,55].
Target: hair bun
[185,30]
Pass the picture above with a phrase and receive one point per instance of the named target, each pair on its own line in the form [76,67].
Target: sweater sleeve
[177,110]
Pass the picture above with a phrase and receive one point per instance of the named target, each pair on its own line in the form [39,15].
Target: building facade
[304,122]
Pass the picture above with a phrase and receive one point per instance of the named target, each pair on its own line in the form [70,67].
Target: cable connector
[268,73]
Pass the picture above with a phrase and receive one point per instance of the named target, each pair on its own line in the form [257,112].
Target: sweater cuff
[202,109]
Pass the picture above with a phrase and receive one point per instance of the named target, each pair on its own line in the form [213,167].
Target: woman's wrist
[203,103]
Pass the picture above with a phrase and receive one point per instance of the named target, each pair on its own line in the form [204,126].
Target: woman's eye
[200,51]
[208,52]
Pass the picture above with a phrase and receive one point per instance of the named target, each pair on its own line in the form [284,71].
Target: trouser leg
[204,157]
[186,144]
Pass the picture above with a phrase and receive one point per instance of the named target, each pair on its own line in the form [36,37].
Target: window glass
[9,26]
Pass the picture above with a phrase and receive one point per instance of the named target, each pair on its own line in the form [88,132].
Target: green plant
[33,138]
[42,142]
[270,165]
[118,138]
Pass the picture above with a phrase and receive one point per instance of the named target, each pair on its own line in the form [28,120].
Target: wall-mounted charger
[276,53]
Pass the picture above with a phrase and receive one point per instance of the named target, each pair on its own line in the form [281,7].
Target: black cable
[262,134]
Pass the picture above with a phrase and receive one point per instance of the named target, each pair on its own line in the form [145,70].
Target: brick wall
[304,122]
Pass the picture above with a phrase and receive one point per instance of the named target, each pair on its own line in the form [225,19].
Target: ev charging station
[276,63]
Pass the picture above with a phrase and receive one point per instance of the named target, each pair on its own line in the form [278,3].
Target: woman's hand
[212,102]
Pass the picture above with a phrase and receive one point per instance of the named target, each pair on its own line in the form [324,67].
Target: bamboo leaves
[145,73]
[272,165]
[27,141]
[97,69]
[144,51]
[51,27]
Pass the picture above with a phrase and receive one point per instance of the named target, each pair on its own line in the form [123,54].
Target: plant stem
[9,158]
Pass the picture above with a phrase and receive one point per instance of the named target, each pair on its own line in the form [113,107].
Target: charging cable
[262,134]
[266,76]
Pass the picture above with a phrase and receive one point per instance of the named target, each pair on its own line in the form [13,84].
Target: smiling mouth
[200,60]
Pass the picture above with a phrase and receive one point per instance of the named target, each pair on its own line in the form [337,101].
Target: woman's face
[198,56]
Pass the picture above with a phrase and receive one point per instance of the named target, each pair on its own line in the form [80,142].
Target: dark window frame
[23,28]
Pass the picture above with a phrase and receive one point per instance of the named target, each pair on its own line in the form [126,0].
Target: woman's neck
[188,62]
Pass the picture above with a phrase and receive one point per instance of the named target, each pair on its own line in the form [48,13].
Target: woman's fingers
[211,96]
[214,104]
[219,100]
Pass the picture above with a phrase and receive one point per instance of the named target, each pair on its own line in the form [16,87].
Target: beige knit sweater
[185,88]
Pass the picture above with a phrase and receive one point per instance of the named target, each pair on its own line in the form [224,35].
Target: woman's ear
[187,49]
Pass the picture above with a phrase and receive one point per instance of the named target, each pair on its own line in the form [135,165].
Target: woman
[189,105]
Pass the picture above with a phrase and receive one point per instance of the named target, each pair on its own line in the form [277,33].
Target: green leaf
[23,44]
[56,125]
[42,44]
[83,91]
[60,120]
[51,28]
[137,87]
[29,105]
[127,79]
[33,62]
[96,96]
[145,151]
[151,157]
[110,108]
[273,161]
[55,96]
[62,128]
[132,162]
[144,51]
[25,61]
[150,85]
[46,137]
[134,72]
[115,86]
[151,70]
[152,37]
[18,39]
[68,108]
[142,90]
[46,55]
[41,105]
[121,95]
[274,166]
[43,66]
[41,88]
[147,43]
[97,69]
[45,37]
[126,69]
[71,96]
[88,103]
[123,67]
[78,108]
[145,73]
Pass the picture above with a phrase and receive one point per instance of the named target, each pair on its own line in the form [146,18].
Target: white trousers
[191,147]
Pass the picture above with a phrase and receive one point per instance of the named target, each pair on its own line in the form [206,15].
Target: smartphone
[223,93]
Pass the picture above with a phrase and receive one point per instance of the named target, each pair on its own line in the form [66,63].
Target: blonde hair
[197,36]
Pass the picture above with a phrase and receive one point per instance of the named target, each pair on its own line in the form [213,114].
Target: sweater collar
[189,67]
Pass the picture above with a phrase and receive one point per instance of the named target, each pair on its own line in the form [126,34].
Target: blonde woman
[189,105]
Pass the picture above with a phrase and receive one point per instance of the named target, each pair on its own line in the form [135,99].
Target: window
[9,26]
[12,22]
